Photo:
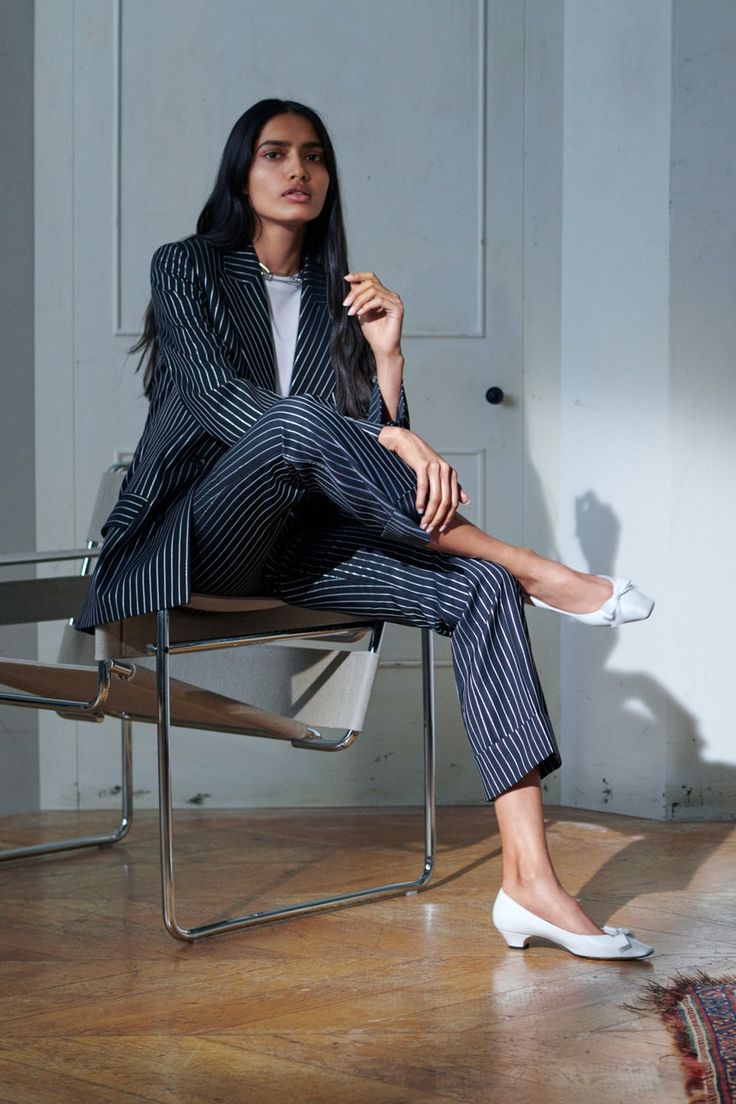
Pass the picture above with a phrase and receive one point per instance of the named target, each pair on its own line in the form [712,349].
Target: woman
[277,456]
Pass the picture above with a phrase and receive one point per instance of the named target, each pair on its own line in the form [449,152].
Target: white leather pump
[517,925]
[627,603]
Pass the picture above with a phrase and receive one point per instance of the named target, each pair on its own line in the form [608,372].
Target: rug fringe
[663,999]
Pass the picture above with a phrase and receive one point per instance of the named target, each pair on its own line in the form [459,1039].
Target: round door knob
[494,395]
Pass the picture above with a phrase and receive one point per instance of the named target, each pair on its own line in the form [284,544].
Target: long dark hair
[227,221]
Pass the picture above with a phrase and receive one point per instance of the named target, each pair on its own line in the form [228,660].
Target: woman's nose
[298,168]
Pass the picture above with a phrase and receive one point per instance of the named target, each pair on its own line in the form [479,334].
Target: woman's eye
[270,154]
[315,157]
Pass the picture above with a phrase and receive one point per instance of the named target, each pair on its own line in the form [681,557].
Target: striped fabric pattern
[215,379]
[300,447]
[318,556]
[235,490]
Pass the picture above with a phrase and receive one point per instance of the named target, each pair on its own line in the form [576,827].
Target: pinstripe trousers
[310,508]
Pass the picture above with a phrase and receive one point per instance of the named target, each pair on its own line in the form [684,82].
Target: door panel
[424,100]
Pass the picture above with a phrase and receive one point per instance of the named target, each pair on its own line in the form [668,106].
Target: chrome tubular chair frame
[126,814]
[82,710]
[163,651]
[50,599]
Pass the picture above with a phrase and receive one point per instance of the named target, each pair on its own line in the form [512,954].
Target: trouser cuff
[507,760]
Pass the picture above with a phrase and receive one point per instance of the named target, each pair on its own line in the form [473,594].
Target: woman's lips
[297,197]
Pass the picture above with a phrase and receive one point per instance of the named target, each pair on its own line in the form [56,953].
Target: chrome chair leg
[165,800]
[430,758]
[168,890]
[105,840]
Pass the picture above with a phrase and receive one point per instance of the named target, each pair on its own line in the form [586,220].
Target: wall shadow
[645,710]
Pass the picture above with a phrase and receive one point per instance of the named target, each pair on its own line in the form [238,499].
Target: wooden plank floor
[404,1000]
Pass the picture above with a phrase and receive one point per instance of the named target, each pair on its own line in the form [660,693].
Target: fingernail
[352,310]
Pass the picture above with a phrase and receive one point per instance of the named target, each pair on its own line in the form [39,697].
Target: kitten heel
[514,939]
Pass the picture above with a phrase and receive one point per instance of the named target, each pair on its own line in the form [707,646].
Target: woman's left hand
[379,311]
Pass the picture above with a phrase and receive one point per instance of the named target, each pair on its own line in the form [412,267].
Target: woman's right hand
[438,492]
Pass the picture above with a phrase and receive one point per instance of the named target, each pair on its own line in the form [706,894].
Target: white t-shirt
[284,295]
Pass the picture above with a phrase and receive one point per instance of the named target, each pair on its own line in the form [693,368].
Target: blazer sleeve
[223,403]
[378,414]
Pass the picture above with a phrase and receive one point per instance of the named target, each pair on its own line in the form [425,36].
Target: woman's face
[288,179]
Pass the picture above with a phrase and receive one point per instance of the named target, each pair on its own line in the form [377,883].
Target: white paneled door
[424,99]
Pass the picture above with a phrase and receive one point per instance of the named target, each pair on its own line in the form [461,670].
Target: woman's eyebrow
[285,144]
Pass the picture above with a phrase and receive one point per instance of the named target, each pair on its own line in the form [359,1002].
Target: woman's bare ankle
[547,898]
[565,589]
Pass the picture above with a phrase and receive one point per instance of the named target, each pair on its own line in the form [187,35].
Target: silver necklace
[268,275]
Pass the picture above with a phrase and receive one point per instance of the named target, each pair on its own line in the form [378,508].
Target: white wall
[614,428]
[701,534]
[19,768]
[631,385]
[543,120]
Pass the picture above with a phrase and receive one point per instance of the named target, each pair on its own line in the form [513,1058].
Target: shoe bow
[620,939]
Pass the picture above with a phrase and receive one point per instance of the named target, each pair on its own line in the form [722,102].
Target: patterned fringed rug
[700,1013]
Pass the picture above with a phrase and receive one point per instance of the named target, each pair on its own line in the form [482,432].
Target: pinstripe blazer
[215,377]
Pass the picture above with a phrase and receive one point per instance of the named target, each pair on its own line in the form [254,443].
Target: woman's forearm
[389,374]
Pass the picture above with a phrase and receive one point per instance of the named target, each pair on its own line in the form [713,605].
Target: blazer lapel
[250,311]
[251,316]
[313,373]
